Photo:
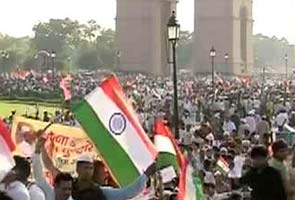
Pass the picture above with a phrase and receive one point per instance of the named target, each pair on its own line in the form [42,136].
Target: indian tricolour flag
[169,152]
[190,187]
[112,125]
[222,166]
[6,148]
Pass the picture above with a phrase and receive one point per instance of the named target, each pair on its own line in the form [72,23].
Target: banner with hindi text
[64,143]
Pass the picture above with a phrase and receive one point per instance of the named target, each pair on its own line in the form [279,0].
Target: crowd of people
[237,134]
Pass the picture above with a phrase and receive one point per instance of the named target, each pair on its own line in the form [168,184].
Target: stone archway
[140,35]
[226,25]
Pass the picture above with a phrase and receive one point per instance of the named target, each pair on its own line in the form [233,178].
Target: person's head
[22,168]
[280,150]
[207,164]
[100,173]
[195,146]
[29,137]
[223,151]
[226,136]
[85,167]
[63,184]
[209,189]
[235,196]
[3,196]
[266,139]
[258,156]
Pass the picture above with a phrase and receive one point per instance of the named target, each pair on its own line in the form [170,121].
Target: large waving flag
[113,127]
[6,148]
[169,152]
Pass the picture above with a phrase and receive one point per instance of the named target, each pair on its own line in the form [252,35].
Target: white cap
[85,157]
[226,134]
[246,142]
[223,149]
[243,120]
[252,112]
[210,137]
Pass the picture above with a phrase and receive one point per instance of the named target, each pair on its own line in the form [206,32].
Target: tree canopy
[89,46]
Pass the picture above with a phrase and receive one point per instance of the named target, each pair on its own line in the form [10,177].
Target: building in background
[228,26]
[141,35]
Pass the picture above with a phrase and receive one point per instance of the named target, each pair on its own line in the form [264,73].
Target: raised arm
[48,163]
[45,157]
[38,170]
[130,191]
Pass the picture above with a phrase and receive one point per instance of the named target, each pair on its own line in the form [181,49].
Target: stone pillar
[141,35]
[220,23]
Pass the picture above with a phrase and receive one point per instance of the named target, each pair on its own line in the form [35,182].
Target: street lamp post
[53,55]
[212,55]
[286,66]
[226,57]
[69,64]
[286,82]
[5,56]
[173,36]
[263,75]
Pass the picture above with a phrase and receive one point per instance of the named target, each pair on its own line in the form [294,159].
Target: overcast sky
[17,17]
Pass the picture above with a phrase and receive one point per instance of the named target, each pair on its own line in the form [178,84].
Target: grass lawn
[23,107]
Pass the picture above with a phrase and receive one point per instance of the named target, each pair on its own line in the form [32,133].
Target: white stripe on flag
[190,187]
[164,144]
[129,140]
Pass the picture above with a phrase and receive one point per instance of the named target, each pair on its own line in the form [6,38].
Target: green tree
[105,46]
[88,59]
[185,48]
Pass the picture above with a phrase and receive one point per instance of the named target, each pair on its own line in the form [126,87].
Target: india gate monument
[226,25]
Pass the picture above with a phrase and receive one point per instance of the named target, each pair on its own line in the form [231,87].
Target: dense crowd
[236,133]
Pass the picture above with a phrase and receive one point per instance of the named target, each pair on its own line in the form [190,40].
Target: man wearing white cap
[250,119]
[84,187]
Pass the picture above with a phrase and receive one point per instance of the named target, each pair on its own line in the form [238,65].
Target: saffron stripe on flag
[6,135]
[6,148]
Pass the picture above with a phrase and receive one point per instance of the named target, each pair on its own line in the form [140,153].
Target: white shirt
[17,191]
[229,127]
[252,123]
[281,119]
[36,193]
[27,150]
[236,172]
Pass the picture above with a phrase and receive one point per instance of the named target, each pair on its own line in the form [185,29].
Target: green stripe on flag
[199,188]
[114,155]
[166,159]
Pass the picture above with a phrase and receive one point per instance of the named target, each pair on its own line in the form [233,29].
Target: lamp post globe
[226,56]
[173,28]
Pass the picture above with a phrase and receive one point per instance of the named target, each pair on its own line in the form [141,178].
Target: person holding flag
[190,187]
[112,125]
[83,188]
